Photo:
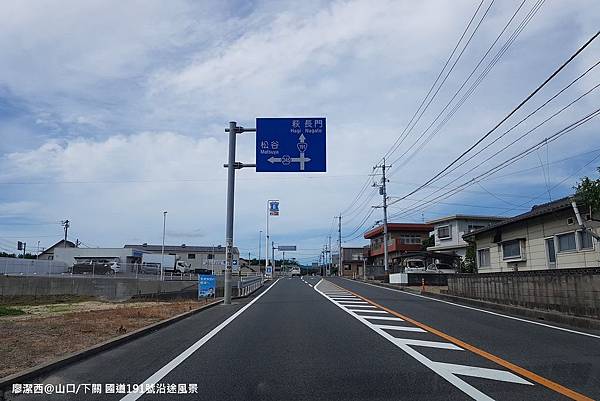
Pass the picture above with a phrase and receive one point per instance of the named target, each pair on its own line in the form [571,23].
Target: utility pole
[259,239]
[328,248]
[383,192]
[273,255]
[340,245]
[162,250]
[66,224]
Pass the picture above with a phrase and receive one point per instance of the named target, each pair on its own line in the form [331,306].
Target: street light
[162,252]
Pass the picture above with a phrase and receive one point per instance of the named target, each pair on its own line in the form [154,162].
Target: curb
[537,314]
[20,377]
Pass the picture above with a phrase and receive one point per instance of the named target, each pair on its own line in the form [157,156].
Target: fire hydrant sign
[291,145]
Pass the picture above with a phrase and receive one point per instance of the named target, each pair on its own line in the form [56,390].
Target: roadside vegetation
[6,311]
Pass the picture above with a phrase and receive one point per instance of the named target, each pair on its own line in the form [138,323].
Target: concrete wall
[112,289]
[572,291]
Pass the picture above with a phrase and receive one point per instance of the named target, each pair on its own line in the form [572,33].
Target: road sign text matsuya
[291,144]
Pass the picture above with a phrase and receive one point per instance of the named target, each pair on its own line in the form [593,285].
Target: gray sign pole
[230,206]
[231,165]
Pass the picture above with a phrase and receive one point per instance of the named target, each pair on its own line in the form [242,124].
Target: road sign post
[282,145]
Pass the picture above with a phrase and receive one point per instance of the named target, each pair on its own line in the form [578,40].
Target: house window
[483,257]
[566,242]
[585,240]
[511,249]
[473,227]
[444,232]
[191,256]
[210,256]
[410,239]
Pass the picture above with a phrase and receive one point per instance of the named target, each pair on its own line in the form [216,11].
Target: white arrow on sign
[286,159]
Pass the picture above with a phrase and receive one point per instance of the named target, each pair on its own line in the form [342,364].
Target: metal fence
[105,269]
[32,267]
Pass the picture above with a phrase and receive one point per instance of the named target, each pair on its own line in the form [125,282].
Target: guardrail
[248,285]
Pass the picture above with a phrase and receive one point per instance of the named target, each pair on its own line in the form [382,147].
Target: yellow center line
[508,365]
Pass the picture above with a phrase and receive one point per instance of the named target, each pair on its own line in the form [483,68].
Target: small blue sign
[274,208]
[291,145]
[207,284]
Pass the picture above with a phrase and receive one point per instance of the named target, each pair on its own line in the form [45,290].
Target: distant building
[126,257]
[448,232]
[546,237]
[402,238]
[48,253]
[199,257]
[352,261]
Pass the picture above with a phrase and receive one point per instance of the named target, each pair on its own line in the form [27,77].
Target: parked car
[414,265]
[441,267]
[101,267]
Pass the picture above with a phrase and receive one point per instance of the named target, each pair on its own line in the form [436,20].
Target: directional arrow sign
[290,144]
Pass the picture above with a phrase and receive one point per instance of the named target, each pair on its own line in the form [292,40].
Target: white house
[448,231]
[547,237]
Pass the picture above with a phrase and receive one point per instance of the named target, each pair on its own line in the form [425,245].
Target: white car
[295,272]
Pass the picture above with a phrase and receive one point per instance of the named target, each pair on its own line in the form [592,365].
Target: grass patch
[4,311]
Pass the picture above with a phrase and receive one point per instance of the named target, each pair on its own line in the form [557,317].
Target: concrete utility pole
[329,255]
[66,224]
[231,166]
[273,255]
[259,239]
[162,250]
[340,259]
[383,192]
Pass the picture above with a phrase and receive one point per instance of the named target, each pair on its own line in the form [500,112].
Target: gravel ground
[50,331]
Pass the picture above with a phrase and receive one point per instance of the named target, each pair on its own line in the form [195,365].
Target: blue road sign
[291,145]
[207,283]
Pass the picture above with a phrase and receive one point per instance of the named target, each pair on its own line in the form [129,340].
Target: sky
[112,112]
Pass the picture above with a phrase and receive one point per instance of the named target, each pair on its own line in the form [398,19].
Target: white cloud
[130,100]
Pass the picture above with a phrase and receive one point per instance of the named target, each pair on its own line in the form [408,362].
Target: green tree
[588,193]
[469,265]
[429,241]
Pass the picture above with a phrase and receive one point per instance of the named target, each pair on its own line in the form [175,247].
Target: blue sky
[111,112]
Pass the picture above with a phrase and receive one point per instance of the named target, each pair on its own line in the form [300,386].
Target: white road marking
[353,302]
[370,311]
[431,344]
[394,318]
[401,328]
[165,370]
[359,306]
[485,311]
[449,372]
[485,373]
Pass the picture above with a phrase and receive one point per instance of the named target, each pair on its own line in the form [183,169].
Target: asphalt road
[307,339]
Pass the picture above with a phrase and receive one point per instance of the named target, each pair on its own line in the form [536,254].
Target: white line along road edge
[165,370]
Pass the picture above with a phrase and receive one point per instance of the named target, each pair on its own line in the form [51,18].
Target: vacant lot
[35,334]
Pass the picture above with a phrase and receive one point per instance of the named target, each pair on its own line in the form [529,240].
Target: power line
[569,128]
[554,74]
[483,162]
[408,127]
[473,86]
